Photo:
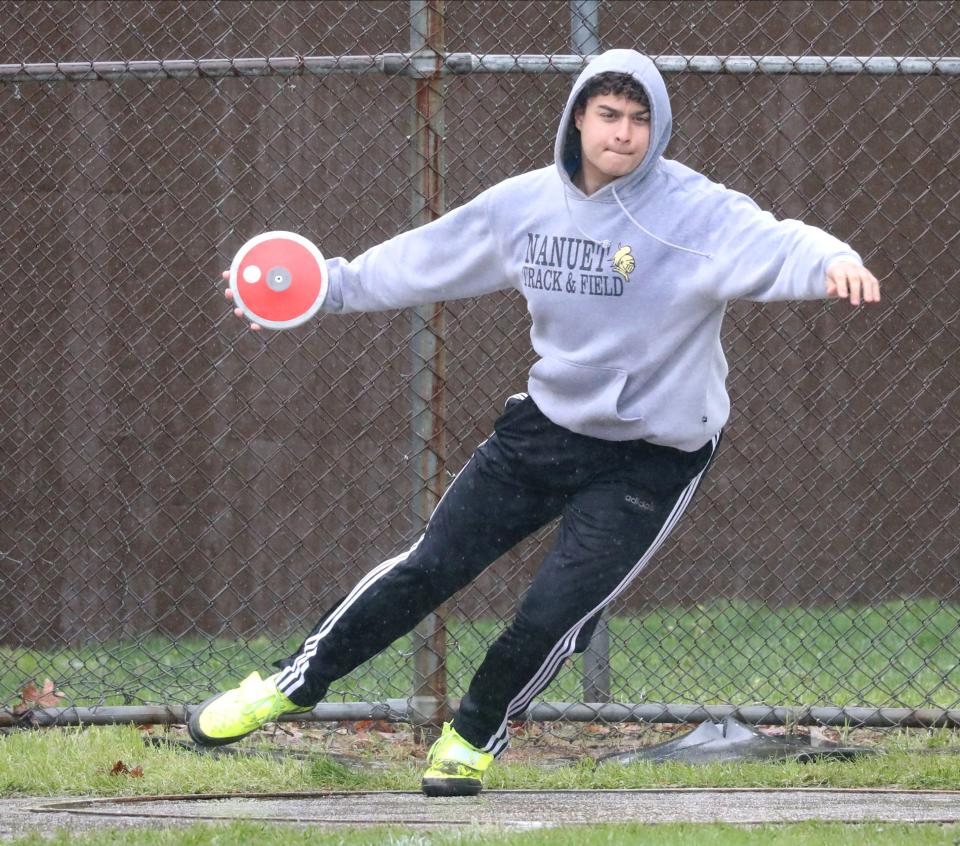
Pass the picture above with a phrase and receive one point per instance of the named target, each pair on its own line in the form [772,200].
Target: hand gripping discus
[278,279]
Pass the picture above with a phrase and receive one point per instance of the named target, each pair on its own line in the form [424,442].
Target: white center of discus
[251,274]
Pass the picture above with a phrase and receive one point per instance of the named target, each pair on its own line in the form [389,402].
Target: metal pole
[585,40]
[403,64]
[398,710]
[428,707]
[596,664]
[585,27]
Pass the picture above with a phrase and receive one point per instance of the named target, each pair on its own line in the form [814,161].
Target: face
[614,137]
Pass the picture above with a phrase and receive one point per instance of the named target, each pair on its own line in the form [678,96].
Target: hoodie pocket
[581,397]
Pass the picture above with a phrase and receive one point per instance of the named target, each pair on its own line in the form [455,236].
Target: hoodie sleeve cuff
[333,302]
[819,281]
[849,255]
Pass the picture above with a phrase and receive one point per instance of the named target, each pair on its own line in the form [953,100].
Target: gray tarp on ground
[732,740]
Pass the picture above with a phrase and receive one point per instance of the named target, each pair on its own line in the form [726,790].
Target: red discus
[279,279]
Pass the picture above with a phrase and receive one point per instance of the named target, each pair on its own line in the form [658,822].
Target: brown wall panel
[163,470]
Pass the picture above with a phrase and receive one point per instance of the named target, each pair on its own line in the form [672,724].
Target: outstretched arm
[767,260]
[456,256]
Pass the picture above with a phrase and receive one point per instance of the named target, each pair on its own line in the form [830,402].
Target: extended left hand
[849,280]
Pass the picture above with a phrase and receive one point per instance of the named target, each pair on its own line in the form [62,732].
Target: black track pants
[617,502]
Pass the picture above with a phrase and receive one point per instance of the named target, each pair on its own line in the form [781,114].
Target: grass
[72,761]
[679,834]
[63,762]
[897,654]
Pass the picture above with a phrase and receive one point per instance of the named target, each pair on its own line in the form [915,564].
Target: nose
[623,130]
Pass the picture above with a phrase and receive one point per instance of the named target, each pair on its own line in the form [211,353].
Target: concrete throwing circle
[537,808]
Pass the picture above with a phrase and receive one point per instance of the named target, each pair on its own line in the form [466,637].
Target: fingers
[840,280]
[238,312]
[853,288]
[863,286]
[849,281]
[254,327]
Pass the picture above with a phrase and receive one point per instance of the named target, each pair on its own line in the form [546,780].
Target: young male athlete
[626,260]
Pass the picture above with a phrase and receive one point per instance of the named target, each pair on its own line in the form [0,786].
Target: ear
[578,117]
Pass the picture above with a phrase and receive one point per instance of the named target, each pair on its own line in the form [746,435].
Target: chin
[621,171]
[620,168]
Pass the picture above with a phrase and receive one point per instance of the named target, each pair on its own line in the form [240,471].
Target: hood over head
[567,147]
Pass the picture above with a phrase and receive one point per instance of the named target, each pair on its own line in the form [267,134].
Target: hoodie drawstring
[605,243]
[633,220]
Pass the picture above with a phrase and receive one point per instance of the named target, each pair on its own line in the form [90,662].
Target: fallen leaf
[820,735]
[49,697]
[33,697]
[121,768]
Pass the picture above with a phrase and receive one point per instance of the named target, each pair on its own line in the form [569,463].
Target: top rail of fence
[427,63]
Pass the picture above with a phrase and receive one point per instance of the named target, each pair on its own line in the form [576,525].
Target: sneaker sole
[451,786]
[193,727]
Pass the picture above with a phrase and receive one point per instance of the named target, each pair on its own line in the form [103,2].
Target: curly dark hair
[609,82]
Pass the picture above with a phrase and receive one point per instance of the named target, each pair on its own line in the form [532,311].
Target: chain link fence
[181,499]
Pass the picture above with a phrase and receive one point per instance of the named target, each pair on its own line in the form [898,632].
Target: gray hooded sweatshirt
[626,288]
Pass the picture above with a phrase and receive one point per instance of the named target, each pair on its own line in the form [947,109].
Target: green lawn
[894,654]
[79,762]
[680,834]
[71,761]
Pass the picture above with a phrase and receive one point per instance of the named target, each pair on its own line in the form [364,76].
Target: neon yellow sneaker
[227,717]
[456,766]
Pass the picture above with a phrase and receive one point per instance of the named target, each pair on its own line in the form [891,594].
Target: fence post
[585,40]
[428,706]
[585,27]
